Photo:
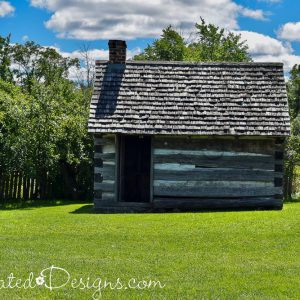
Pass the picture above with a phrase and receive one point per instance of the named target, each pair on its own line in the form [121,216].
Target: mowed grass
[218,255]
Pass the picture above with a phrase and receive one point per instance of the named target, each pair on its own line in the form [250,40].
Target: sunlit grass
[220,255]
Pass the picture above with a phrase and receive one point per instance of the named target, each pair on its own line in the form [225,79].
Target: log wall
[217,173]
[191,173]
[105,164]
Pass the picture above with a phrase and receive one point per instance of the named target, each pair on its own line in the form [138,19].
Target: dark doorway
[135,157]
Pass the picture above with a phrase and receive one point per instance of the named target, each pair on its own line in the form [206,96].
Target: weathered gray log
[255,146]
[105,186]
[217,203]
[108,172]
[216,174]
[238,162]
[106,156]
[214,191]
[104,141]
[107,196]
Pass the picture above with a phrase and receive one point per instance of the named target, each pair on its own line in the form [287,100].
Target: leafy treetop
[210,43]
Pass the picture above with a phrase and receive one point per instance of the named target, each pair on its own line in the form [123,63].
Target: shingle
[190,98]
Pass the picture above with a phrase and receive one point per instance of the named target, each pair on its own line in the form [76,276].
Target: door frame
[120,166]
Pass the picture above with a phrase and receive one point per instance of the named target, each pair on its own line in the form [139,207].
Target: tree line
[43,114]
[43,119]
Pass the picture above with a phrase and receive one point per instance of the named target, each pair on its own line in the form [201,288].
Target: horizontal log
[212,184]
[211,154]
[109,148]
[107,172]
[105,186]
[161,204]
[105,169]
[106,196]
[238,145]
[109,163]
[104,141]
[221,203]
[105,156]
[216,174]
[214,191]
[238,162]
[123,203]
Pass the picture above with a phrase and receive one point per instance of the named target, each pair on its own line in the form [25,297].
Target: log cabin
[172,136]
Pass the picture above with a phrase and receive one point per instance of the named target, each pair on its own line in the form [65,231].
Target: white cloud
[264,48]
[95,54]
[260,44]
[129,19]
[79,75]
[6,9]
[257,14]
[290,31]
[289,60]
[25,38]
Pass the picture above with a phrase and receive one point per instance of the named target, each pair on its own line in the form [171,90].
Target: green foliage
[5,59]
[293,88]
[293,144]
[14,115]
[170,47]
[211,43]
[214,44]
[40,64]
[43,121]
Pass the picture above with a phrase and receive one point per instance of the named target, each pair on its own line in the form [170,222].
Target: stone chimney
[117,51]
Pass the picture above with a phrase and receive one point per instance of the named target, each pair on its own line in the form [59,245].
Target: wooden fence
[15,186]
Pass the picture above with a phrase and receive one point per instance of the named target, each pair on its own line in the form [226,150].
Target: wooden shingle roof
[189,98]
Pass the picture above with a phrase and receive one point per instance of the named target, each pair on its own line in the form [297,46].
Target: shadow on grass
[86,209]
[31,204]
[89,209]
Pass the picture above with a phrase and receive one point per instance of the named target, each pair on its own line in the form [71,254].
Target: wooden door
[135,168]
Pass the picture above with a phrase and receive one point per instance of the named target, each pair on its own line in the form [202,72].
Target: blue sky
[271,27]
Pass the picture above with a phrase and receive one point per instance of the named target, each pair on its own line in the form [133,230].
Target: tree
[14,115]
[43,122]
[35,63]
[210,43]
[292,150]
[213,43]
[171,46]
[88,62]
[5,59]
[293,88]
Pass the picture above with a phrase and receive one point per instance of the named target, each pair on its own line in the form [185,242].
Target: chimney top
[117,51]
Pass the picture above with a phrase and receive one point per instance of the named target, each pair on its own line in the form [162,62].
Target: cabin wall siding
[192,173]
[216,173]
[105,161]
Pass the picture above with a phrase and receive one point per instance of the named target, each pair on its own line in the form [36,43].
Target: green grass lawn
[219,255]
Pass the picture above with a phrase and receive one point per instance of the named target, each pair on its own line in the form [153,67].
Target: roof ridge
[191,63]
